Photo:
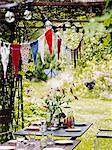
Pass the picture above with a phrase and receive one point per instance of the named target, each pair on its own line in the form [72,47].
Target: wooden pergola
[58,11]
[71,8]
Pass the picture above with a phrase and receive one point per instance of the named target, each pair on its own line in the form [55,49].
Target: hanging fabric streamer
[41,47]
[34,47]
[59,46]
[25,47]
[15,51]
[48,36]
[5,51]
[75,56]
[80,45]
[68,56]
[63,47]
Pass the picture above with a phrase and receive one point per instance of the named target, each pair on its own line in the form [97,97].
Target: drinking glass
[20,138]
[32,137]
[20,144]
[43,126]
[50,138]
[43,143]
[50,135]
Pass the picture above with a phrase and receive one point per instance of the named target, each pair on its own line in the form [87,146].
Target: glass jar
[69,121]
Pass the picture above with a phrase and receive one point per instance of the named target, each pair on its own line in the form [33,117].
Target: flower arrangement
[57,100]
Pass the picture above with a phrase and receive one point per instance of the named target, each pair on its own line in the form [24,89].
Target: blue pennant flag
[34,47]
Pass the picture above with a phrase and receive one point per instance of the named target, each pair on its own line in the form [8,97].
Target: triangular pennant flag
[15,51]
[25,47]
[59,46]
[41,47]
[34,47]
[5,51]
[48,36]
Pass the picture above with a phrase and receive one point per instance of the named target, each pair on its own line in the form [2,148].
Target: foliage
[32,112]
[98,71]
[39,73]
[50,63]
[96,43]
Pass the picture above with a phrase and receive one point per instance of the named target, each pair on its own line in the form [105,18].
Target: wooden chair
[6,131]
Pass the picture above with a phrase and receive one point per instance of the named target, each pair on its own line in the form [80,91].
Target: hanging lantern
[9,17]
[27,15]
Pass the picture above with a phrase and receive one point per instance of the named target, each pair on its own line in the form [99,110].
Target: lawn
[96,111]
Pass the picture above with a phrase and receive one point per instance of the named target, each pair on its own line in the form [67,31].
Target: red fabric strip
[15,52]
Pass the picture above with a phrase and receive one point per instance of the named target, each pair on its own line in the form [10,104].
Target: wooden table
[59,133]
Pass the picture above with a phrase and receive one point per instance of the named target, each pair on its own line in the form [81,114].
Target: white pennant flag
[41,46]
[5,51]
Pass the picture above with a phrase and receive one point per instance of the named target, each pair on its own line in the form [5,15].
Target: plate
[80,124]
[52,128]
[7,147]
[63,142]
[73,130]
[52,148]
[36,123]
[12,141]
[32,128]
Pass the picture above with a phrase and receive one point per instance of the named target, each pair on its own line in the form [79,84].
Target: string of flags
[22,50]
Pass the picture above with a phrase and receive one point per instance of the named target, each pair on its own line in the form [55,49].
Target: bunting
[25,47]
[41,47]
[48,36]
[5,51]
[34,47]
[15,52]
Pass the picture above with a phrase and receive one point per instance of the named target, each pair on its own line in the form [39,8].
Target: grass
[100,114]
[96,111]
